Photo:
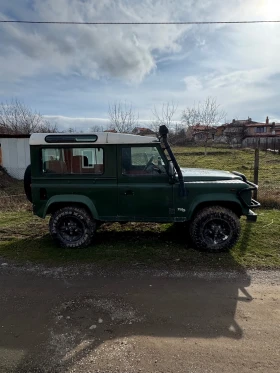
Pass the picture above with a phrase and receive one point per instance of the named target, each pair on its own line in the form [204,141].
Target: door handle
[129,193]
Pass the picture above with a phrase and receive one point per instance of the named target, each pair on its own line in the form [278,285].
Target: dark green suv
[83,180]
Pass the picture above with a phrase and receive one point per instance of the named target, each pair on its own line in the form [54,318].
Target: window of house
[142,161]
[73,160]
[260,129]
[200,136]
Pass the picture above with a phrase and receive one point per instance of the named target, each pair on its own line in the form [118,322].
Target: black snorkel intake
[163,132]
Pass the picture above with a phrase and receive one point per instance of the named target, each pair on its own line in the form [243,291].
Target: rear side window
[73,160]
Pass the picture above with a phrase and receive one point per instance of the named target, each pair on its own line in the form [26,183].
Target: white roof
[103,138]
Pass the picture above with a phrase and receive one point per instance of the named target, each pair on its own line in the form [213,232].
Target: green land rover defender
[83,180]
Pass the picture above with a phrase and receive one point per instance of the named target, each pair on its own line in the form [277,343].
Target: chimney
[267,120]
[273,128]
[233,121]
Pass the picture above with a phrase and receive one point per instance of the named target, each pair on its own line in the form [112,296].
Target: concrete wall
[15,156]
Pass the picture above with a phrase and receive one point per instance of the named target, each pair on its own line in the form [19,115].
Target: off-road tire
[72,216]
[27,183]
[215,229]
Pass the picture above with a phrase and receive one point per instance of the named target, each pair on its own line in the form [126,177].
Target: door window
[138,160]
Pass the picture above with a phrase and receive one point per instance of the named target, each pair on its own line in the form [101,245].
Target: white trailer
[15,154]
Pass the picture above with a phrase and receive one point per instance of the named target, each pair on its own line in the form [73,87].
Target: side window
[73,160]
[138,160]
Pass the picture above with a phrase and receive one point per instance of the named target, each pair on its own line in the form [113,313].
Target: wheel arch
[231,205]
[57,202]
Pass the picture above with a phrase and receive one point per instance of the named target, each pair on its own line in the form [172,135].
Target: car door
[144,190]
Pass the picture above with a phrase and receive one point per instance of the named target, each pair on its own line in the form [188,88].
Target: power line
[139,23]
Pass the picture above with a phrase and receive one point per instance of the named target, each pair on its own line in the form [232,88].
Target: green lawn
[25,238]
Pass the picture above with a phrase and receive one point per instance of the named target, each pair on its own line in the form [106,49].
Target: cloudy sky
[71,73]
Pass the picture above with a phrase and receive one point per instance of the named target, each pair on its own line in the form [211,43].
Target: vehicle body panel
[99,191]
[113,196]
[200,174]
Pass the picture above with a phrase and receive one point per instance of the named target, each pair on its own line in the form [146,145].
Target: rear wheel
[72,227]
[215,229]
[27,183]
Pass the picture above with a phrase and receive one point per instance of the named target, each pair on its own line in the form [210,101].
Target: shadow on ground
[114,243]
[56,325]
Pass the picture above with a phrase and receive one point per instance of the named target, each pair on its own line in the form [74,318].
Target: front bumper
[251,216]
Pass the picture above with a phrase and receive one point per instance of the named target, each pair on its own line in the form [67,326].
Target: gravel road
[88,319]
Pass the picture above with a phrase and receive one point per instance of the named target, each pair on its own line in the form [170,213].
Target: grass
[24,237]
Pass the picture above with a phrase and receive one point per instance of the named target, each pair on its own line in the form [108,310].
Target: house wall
[15,156]
[252,130]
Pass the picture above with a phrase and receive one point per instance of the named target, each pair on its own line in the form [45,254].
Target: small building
[14,154]
[142,131]
[266,135]
[201,133]
[248,133]
[111,131]
[259,129]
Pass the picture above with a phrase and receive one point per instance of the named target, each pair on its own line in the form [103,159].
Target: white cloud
[193,83]
[82,124]
[126,52]
[236,63]
[85,124]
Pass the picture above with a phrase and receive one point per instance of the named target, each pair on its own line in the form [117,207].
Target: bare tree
[97,128]
[17,118]
[122,117]
[71,130]
[206,115]
[165,116]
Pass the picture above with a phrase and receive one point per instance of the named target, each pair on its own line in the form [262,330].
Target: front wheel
[72,227]
[215,229]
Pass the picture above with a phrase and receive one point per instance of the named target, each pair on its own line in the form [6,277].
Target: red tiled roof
[199,128]
[143,130]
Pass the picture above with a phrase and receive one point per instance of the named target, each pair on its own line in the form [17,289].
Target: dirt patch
[5,179]
[12,196]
